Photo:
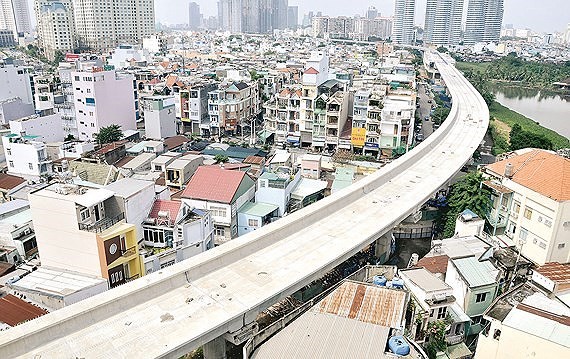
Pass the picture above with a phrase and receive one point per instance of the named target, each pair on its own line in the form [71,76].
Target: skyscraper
[403,27]
[103,24]
[484,19]
[15,16]
[293,17]
[252,16]
[372,13]
[194,16]
[55,26]
[443,22]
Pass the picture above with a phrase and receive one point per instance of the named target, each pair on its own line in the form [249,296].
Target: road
[425,110]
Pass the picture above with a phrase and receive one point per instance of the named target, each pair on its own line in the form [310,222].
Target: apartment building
[222,192]
[173,232]
[17,230]
[443,22]
[283,115]
[15,16]
[531,204]
[316,72]
[102,25]
[367,115]
[44,94]
[17,82]
[357,28]
[233,107]
[83,230]
[484,21]
[403,27]
[194,108]
[159,117]
[55,26]
[26,157]
[96,97]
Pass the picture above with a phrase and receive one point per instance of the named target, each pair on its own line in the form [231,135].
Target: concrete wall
[60,243]
[15,109]
[49,128]
[15,82]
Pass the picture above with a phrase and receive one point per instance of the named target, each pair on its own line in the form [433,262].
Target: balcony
[454,339]
[63,105]
[102,225]
[126,253]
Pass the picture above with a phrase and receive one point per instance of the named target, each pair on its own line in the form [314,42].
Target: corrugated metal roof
[319,335]
[370,304]
[14,311]
[541,327]
[476,273]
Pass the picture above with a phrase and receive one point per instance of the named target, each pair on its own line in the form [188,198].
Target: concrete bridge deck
[171,312]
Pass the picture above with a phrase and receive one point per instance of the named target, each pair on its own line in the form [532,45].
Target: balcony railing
[454,339]
[125,253]
[131,278]
[102,225]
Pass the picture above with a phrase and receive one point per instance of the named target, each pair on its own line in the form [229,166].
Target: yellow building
[83,230]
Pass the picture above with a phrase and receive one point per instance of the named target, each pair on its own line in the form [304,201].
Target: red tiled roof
[123,161]
[212,183]
[110,147]
[435,264]
[311,71]
[541,171]
[8,181]
[556,272]
[232,166]
[14,311]
[161,205]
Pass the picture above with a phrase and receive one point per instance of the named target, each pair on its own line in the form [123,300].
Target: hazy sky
[543,15]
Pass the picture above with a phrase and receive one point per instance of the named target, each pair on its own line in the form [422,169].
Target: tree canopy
[467,193]
[109,134]
[520,138]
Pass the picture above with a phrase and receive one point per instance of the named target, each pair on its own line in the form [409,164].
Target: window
[252,222]
[481,297]
[30,166]
[548,223]
[441,312]
[220,231]
[218,211]
[84,214]
[561,245]
[527,213]
[11,163]
[542,244]
[523,234]
[9,151]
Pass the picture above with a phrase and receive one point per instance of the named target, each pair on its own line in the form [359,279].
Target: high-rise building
[308,19]
[15,16]
[443,22]
[293,17]
[194,16]
[55,26]
[104,24]
[403,27]
[252,16]
[567,35]
[484,19]
[372,13]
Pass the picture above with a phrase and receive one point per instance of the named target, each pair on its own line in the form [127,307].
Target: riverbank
[503,119]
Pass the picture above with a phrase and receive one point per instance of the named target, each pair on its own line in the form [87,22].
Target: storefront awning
[293,139]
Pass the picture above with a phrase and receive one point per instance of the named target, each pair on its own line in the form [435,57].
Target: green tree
[109,134]
[525,139]
[221,158]
[467,193]
[440,114]
[435,338]
[58,57]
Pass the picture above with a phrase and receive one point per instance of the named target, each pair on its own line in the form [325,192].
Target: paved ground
[424,110]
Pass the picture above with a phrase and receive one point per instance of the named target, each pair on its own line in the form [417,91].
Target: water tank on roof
[398,345]
[397,283]
[379,280]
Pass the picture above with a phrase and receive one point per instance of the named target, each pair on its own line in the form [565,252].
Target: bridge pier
[383,247]
[215,349]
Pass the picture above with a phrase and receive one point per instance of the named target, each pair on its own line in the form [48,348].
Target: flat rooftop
[56,282]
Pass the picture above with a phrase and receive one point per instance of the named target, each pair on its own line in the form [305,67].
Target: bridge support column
[383,247]
[215,349]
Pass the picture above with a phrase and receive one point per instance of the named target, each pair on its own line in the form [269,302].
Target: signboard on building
[358,136]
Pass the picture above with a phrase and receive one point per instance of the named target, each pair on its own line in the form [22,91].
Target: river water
[550,110]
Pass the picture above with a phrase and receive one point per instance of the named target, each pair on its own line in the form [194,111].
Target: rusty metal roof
[365,303]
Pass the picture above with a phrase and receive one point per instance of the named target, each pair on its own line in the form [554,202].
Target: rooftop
[161,205]
[556,272]
[128,187]
[14,311]
[257,209]
[529,171]
[476,273]
[57,282]
[434,264]
[214,184]
[8,182]
[424,279]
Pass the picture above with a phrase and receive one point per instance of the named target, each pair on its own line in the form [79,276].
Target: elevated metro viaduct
[196,302]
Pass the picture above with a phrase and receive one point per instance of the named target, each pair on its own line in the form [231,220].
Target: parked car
[419,137]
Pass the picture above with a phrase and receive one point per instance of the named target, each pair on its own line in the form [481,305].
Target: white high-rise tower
[403,27]
[15,16]
[484,20]
[443,22]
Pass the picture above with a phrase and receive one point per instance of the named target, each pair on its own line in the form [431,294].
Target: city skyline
[520,13]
